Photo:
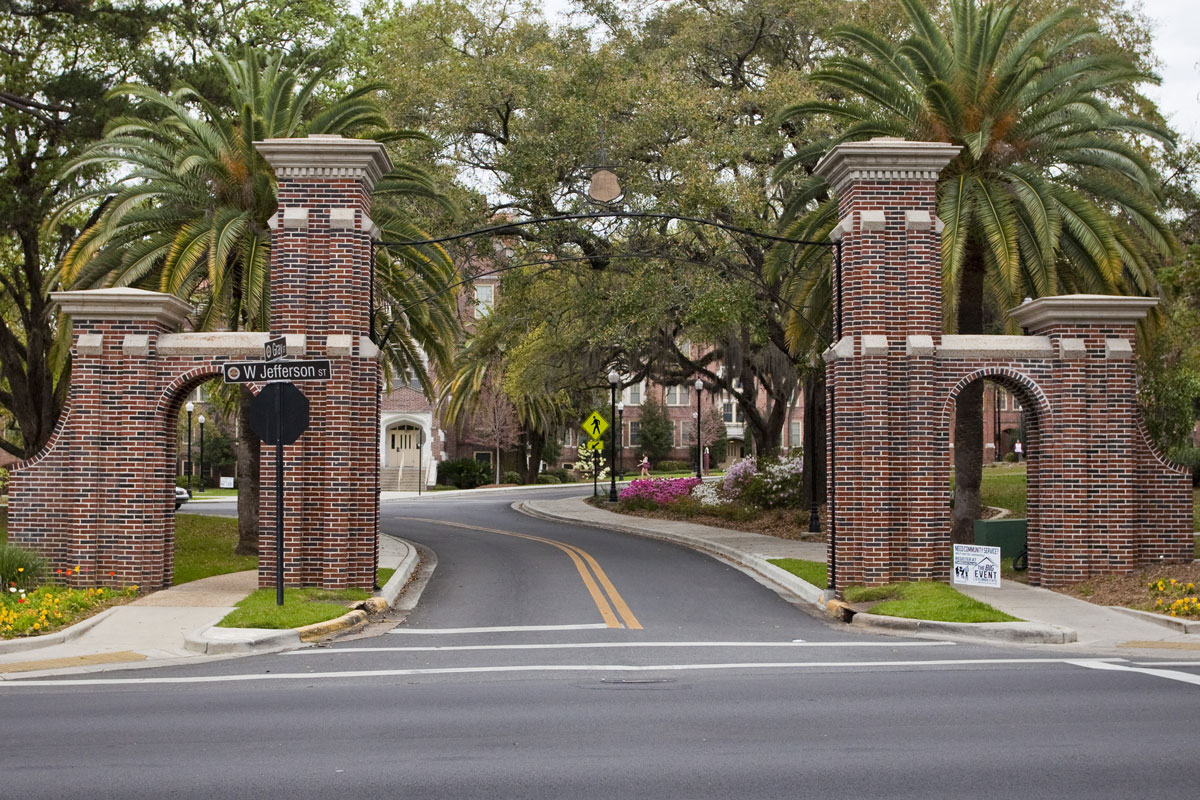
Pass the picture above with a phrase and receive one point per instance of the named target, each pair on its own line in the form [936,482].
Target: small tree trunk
[968,412]
[497,465]
[537,442]
[249,452]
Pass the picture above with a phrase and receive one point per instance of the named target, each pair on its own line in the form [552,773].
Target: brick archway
[1105,499]
[99,495]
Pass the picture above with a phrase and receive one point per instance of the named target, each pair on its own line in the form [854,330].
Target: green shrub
[20,568]
[546,478]
[562,475]
[1010,458]
[1189,457]
[511,476]
[464,473]
[3,480]
[674,466]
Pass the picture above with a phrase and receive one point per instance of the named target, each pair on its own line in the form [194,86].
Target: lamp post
[188,468]
[613,379]
[621,440]
[699,445]
[200,486]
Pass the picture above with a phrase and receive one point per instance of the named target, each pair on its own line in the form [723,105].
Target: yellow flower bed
[48,607]
[1175,598]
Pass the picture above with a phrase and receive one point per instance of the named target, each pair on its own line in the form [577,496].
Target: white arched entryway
[405,453]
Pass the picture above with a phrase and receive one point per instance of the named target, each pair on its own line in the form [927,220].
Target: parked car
[181,496]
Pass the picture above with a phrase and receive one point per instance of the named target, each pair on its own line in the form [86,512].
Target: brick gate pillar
[102,507]
[321,299]
[889,482]
[1091,457]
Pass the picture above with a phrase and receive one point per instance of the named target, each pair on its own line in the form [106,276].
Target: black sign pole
[595,472]
[420,453]
[279,498]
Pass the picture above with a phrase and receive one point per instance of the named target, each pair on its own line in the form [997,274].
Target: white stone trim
[325,156]
[342,219]
[136,344]
[919,345]
[1070,349]
[845,225]
[871,220]
[236,344]
[295,218]
[339,344]
[873,344]
[1118,349]
[884,159]
[273,222]
[984,346]
[89,344]
[371,229]
[297,344]
[938,225]
[366,348]
[123,303]
[1078,309]
[843,349]
[917,220]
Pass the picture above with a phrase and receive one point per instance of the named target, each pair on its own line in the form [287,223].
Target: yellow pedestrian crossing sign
[596,444]
[595,425]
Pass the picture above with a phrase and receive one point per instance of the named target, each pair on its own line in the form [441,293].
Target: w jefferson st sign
[317,369]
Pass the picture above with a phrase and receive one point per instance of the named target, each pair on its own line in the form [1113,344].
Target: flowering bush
[20,567]
[586,464]
[657,491]
[737,476]
[779,483]
[709,494]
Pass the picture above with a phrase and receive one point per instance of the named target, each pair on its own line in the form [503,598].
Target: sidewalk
[1051,618]
[172,626]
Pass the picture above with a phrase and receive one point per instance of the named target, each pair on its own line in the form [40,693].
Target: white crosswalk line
[601,645]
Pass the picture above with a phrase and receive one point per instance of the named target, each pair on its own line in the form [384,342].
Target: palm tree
[1049,194]
[189,215]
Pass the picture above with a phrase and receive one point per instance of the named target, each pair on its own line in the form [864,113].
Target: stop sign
[279,413]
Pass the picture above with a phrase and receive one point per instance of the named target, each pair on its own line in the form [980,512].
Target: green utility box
[1010,535]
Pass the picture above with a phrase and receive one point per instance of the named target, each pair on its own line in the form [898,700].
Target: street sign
[279,413]
[275,349]
[596,444]
[976,565]
[315,369]
[595,425]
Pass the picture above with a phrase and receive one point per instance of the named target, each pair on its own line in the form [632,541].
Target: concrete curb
[760,566]
[1021,632]
[65,635]
[212,640]
[1174,623]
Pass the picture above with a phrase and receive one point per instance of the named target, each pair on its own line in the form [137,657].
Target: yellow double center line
[582,561]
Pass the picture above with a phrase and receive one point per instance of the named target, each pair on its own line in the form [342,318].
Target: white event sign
[226,482]
[976,565]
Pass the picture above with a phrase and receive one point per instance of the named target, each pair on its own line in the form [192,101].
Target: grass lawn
[204,547]
[925,600]
[301,606]
[814,572]
[196,493]
[1003,486]
[383,575]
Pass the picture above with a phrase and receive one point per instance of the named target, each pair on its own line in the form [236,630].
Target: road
[552,661]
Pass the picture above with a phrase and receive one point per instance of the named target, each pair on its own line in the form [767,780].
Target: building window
[731,412]
[678,395]
[635,434]
[485,296]
[634,393]
[794,434]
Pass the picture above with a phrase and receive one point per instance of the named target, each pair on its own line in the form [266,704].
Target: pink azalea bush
[657,491]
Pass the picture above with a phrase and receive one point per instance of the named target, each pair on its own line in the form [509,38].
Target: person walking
[645,465]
